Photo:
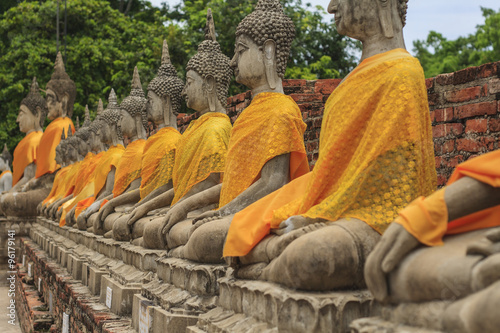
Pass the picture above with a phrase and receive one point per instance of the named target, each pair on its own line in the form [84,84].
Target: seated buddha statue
[446,247]
[266,148]
[164,94]
[61,93]
[107,128]
[201,150]
[6,175]
[375,156]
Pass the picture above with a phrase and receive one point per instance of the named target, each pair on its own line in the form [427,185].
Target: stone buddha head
[61,92]
[164,93]
[5,159]
[82,136]
[32,111]
[377,23]
[86,119]
[61,150]
[95,142]
[263,41]
[208,74]
[111,133]
[134,119]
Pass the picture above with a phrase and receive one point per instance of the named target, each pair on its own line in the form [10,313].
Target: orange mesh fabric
[46,153]
[427,219]
[201,150]
[129,167]
[158,159]
[110,159]
[70,181]
[25,154]
[270,126]
[84,172]
[57,185]
[376,153]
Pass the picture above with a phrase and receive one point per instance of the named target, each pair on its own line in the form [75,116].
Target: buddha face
[59,157]
[193,92]
[94,141]
[127,124]
[106,137]
[54,105]
[357,19]
[155,107]
[27,120]
[248,62]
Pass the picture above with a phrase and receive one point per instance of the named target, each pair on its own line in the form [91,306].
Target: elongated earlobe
[64,102]
[167,111]
[386,17]
[270,62]
[211,92]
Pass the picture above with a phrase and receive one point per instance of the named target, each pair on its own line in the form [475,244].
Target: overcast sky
[452,18]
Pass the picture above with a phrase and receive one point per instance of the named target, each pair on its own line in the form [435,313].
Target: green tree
[103,46]
[439,55]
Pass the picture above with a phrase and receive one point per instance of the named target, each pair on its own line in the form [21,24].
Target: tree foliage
[103,46]
[439,55]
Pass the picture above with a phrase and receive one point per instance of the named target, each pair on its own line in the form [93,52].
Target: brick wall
[464,106]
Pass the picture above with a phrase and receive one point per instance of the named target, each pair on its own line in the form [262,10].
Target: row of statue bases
[242,193]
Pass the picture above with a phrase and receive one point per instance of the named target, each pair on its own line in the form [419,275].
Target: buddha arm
[467,196]
[108,186]
[28,174]
[157,192]
[274,175]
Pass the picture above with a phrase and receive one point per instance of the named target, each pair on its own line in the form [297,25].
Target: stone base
[378,325]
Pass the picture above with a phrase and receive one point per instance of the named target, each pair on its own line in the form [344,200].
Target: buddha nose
[183,92]
[332,6]
[232,64]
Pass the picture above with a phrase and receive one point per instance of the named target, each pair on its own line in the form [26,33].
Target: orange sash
[58,183]
[129,167]
[158,160]
[270,126]
[46,153]
[25,154]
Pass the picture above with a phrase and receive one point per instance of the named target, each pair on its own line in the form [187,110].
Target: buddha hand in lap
[266,148]
[164,96]
[468,258]
[365,171]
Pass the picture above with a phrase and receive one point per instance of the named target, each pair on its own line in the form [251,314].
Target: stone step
[379,325]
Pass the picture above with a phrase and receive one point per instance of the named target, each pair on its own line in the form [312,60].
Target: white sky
[452,18]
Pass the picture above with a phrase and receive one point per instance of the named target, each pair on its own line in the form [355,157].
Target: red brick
[304,98]
[441,180]
[433,116]
[317,123]
[454,161]
[463,95]
[465,75]
[438,160]
[444,79]
[476,126]
[484,90]
[312,146]
[326,87]
[474,145]
[445,147]
[494,85]
[495,125]
[442,130]
[294,83]
[488,70]
[476,109]
[429,83]
[444,114]
[433,99]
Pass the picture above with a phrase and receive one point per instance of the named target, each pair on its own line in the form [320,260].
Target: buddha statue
[31,117]
[6,173]
[266,148]
[375,156]
[106,126]
[201,150]
[133,123]
[164,93]
[446,247]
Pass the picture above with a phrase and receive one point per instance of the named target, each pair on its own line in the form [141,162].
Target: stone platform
[146,291]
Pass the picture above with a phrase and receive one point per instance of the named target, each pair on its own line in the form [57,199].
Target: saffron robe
[25,154]
[129,167]
[376,155]
[46,152]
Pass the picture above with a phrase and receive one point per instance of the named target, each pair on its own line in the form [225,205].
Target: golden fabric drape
[25,154]
[129,167]
[270,126]
[59,182]
[201,150]
[376,154]
[46,153]
[158,159]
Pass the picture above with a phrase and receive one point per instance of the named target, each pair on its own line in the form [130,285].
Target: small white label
[51,306]
[109,296]
[39,284]
[24,259]
[144,317]
[65,325]
[29,270]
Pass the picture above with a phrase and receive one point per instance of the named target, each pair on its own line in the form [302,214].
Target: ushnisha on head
[272,31]
[166,84]
[86,120]
[61,92]
[213,67]
[5,159]
[33,110]
[135,103]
